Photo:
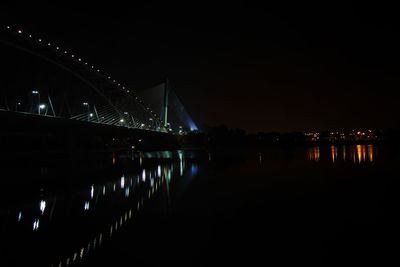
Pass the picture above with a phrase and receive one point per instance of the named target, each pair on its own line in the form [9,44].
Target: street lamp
[88,107]
[37,93]
[41,106]
[16,105]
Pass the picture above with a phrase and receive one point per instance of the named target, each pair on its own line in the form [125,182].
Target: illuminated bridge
[43,78]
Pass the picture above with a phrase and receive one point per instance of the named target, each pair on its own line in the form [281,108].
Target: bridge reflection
[82,220]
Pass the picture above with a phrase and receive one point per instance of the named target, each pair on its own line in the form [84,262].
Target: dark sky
[275,67]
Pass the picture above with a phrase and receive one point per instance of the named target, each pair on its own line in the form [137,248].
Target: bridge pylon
[166,89]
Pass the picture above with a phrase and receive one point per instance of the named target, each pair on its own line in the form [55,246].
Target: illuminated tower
[166,89]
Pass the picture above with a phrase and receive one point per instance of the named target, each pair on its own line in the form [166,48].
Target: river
[322,206]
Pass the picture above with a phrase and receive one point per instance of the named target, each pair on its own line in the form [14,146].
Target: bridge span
[56,106]
[42,77]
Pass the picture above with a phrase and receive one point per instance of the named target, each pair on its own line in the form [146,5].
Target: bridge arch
[114,103]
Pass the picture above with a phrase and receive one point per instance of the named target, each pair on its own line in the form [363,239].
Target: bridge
[55,106]
[43,78]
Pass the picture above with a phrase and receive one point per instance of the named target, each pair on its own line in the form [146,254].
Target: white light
[86,207]
[121,120]
[122,182]
[104,190]
[49,44]
[144,175]
[91,192]
[85,103]
[36,225]
[19,31]
[91,114]
[8,27]
[42,206]
[19,216]
[159,171]
[181,161]
[35,92]
[57,48]
[39,40]
[42,106]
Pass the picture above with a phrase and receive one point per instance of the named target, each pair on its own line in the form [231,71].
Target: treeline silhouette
[223,136]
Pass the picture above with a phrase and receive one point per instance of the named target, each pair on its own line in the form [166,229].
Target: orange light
[363,152]
[333,153]
[344,153]
[359,153]
[371,153]
[316,153]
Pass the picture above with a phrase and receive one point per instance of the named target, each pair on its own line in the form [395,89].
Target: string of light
[78,59]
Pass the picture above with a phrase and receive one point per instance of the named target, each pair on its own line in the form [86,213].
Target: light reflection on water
[357,154]
[333,153]
[102,209]
[313,153]
[94,207]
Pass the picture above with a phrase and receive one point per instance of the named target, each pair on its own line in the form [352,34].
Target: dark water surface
[320,206]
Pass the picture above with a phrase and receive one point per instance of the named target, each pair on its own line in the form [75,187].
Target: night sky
[281,67]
